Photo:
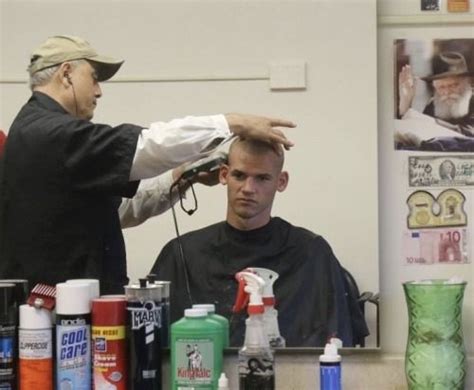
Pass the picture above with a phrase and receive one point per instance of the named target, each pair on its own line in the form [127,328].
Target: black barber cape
[310,295]
[62,181]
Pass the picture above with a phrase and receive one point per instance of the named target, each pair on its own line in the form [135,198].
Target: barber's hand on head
[261,128]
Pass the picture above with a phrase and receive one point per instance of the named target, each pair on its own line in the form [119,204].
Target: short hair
[44,76]
[254,146]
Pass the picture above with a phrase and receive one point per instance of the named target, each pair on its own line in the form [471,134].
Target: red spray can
[109,343]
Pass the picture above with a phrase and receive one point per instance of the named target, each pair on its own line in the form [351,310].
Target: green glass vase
[435,356]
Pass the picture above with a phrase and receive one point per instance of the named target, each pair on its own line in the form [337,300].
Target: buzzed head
[256,148]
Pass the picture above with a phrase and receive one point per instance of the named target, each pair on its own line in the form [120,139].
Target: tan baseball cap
[61,48]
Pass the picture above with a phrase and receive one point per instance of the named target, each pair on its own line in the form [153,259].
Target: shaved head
[257,147]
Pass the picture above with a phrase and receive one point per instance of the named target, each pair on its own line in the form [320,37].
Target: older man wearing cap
[452,101]
[64,176]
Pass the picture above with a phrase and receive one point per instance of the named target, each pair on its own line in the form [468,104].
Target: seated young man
[310,295]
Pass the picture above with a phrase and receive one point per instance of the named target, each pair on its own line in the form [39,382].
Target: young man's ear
[223,172]
[283,180]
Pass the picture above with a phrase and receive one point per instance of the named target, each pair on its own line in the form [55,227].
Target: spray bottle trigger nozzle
[242,299]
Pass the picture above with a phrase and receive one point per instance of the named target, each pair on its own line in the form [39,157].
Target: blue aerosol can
[8,340]
[73,336]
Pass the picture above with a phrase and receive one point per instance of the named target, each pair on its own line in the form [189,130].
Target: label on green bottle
[194,363]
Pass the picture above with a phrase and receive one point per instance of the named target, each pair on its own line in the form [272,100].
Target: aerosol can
[256,356]
[270,317]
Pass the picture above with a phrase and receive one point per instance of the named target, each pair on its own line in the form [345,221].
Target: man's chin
[245,214]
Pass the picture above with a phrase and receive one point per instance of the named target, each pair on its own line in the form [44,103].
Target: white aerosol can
[35,368]
[73,336]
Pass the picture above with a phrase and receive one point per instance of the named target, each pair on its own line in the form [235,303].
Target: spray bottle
[330,366]
[255,357]
[270,317]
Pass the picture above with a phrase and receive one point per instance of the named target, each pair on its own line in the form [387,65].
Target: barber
[64,176]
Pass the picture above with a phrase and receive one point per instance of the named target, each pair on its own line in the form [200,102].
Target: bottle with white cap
[196,351]
[211,311]
[223,383]
[330,366]
[256,360]
[35,349]
[94,286]
[270,316]
[73,340]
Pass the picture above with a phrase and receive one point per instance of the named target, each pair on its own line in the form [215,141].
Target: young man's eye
[238,175]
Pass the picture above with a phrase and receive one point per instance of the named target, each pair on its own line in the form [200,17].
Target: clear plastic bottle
[270,316]
[256,359]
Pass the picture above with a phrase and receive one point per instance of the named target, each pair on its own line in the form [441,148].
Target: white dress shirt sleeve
[165,145]
[151,198]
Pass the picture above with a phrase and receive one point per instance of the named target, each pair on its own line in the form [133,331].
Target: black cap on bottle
[8,305]
[143,282]
[21,289]
[151,278]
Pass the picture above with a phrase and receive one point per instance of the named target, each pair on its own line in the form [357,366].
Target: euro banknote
[436,246]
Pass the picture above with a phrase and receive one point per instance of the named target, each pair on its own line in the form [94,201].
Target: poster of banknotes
[436,246]
[437,222]
[441,171]
[434,103]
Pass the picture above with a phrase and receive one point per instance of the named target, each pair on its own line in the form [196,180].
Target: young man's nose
[249,185]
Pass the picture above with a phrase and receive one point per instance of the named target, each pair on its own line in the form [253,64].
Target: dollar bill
[440,171]
[436,246]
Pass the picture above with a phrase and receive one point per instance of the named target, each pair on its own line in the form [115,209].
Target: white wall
[409,23]
[333,167]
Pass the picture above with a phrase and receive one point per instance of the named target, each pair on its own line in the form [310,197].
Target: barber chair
[361,299]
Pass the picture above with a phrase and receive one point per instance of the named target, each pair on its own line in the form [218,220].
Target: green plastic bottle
[211,310]
[196,351]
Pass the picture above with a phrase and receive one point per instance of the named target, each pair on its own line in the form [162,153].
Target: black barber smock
[62,179]
[311,298]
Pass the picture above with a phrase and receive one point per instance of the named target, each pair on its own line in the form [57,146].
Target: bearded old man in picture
[452,103]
